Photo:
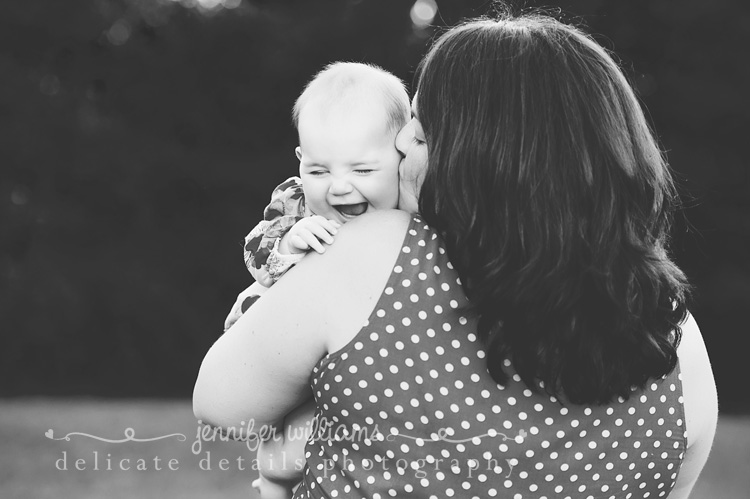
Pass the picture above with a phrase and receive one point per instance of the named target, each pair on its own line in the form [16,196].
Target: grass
[30,462]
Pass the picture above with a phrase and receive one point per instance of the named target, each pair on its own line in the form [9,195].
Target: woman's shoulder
[366,245]
[352,272]
[387,224]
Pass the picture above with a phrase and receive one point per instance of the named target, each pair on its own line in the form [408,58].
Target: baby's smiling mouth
[351,210]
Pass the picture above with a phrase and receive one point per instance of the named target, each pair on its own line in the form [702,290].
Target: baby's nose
[340,186]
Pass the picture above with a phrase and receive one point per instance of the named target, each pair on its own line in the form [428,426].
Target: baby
[347,119]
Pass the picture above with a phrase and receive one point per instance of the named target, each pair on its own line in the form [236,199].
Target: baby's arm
[282,460]
[286,208]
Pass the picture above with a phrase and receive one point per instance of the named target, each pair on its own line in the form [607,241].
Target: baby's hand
[244,300]
[308,234]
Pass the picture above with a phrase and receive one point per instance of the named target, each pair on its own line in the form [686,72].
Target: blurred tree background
[140,140]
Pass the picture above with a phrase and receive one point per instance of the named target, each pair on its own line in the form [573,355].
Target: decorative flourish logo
[443,435]
[129,437]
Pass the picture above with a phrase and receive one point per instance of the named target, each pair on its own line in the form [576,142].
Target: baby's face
[348,160]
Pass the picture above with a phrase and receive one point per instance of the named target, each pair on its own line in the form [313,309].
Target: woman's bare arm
[701,407]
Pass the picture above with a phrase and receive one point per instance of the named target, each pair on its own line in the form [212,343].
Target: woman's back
[529,154]
[407,407]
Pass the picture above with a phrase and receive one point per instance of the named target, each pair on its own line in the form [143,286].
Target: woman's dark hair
[554,202]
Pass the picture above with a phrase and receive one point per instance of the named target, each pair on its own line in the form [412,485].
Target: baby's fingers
[320,227]
[307,240]
[331,226]
[324,233]
[298,242]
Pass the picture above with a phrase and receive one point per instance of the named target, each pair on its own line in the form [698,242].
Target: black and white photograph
[370,249]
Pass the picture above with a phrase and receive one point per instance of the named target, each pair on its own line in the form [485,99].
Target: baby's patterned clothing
[262,258]
[408,409]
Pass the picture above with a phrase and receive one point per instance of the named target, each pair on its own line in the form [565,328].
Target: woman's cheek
[410,183]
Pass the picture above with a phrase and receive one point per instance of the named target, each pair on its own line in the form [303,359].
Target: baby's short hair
[342,80]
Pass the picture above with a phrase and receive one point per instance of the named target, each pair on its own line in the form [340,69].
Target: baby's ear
[298,153]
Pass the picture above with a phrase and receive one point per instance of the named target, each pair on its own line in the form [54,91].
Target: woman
[521,335]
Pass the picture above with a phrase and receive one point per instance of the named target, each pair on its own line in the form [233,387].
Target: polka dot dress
[408,409]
